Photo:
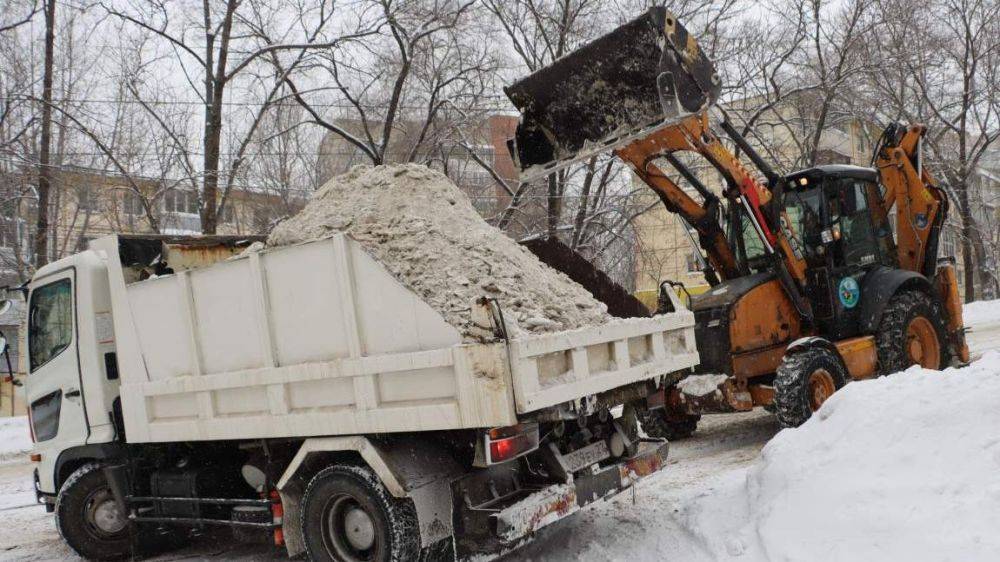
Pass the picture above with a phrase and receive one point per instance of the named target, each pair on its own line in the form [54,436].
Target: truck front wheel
[349,516]
[88,518]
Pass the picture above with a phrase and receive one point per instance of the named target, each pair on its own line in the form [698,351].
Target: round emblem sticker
[849,292]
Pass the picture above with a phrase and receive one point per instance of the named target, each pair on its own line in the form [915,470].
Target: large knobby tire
[658,423]
[804,380]
[88,518]
[349,516]
[911,332]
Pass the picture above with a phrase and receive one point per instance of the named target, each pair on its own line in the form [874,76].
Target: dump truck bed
[319,339]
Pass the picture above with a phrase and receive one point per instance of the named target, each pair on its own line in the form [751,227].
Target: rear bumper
[546,506]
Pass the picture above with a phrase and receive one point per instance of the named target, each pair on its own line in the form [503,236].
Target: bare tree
[949,80]
[403,92]
[13,17]
[45,139]
[202,50]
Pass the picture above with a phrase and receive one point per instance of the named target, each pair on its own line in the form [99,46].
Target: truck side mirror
[5,306]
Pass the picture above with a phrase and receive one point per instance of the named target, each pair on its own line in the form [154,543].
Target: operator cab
[834,217]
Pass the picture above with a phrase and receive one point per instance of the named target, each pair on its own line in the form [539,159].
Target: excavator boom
[809,285]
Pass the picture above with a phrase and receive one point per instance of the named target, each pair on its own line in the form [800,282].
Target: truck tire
[88,519]
[911,332]
[804,380]
[657,423]
[349,516]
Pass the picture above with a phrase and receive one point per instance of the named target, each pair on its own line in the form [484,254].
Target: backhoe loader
[818,277]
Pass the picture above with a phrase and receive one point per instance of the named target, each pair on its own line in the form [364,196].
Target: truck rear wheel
[804,381]
[911,332]
[88,518]
[349,516]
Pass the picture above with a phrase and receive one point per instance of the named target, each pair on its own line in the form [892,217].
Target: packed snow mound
[15,439]
[981,312]
[897,468]
[426,233]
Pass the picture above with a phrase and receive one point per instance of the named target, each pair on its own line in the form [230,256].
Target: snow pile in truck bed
[905,467]
[425,232]
[15,439]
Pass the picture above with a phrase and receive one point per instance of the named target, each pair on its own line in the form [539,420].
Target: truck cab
[71,388]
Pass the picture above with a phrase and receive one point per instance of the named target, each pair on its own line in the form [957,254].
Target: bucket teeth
[643,75]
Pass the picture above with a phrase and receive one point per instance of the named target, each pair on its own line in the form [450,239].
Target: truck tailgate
[554,368]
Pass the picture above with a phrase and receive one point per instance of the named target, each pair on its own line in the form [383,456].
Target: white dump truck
[302,395]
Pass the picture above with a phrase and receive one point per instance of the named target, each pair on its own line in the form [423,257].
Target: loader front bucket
[644,75]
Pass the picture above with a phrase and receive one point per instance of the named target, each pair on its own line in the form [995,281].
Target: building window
[88,199]
[227,215]
[693,263]
[485,206]
[181,202]
[132,204]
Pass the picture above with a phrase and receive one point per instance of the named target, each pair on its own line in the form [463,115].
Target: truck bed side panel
[315,339]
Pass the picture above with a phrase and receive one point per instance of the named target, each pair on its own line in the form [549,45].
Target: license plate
[582,458]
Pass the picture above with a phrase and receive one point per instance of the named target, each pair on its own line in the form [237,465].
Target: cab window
[50,322]
[860,246]
[802,209]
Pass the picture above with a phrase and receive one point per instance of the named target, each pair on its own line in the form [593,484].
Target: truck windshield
[50,322]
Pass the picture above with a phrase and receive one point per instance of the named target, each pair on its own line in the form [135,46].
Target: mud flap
[643,75]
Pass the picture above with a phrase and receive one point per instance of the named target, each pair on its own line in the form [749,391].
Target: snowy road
[648,524]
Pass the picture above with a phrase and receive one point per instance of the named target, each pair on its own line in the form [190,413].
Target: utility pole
[44,152]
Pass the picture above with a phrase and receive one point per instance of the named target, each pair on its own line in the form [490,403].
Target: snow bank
[15,439]
[427,234]
[905,467]
[981,312]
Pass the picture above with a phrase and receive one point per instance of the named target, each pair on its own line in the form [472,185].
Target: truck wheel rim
[350,532]
[821,387]
[922,344]
[102,514]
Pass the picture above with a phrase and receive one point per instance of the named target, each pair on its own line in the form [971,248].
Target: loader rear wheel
[804,381]
[660,423]
[88,518]
[349,516]
[911,333]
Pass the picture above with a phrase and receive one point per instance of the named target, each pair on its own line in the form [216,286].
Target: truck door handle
[72,393]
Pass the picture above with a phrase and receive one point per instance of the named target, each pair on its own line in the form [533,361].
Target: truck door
[53,387]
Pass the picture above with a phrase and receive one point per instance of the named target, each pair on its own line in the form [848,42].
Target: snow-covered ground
[983,318]
[898,468]
[15,439]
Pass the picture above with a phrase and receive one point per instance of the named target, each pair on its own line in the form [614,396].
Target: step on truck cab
[303,397]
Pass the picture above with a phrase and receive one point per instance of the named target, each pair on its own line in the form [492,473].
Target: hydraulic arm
[743,189]
[921,206]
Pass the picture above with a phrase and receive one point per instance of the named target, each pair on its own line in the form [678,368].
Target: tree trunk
[44,168]
[968,268]
[214,95]
[987,281]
